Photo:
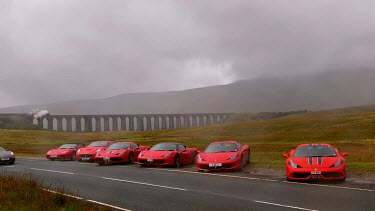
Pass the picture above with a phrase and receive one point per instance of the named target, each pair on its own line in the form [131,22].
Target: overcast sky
[63,50]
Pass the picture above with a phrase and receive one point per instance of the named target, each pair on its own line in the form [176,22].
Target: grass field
[25,193]
[352,130]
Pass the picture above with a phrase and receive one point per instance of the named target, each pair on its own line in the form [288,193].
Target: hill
[310,92]
[352,132]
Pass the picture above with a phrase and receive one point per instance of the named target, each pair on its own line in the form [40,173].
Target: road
[131,187]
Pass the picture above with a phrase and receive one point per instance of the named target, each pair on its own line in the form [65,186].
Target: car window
[181,147]
[135,145]
[239,146]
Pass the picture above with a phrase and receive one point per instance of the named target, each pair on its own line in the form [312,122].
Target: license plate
[53,156]
[5,159]
[85,158]
[214,164]
[150,159]
[316,172]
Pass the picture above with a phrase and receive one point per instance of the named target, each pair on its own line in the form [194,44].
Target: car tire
[242,167]
[194,157]
[177,161]
[73,156]
[248,160]
[131,158]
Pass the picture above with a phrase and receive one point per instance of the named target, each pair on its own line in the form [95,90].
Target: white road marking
[8,166]
[142,183]
[71,196]
[108,205]
[269,180]
[219,175]
[61,172]
[281,205]
[88,200]
[330,186]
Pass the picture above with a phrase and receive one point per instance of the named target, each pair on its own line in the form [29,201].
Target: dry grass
[25,193]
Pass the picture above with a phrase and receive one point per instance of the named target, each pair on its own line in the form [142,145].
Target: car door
[184,154]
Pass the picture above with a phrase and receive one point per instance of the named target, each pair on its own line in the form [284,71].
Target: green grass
[25,193]
[352,130]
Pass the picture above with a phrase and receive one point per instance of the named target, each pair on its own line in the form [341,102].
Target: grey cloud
[57,51]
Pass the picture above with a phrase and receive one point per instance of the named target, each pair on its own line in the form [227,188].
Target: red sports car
[315,161]
[120,152]
[223,155]
[167,154]
[88,153]
[64,152]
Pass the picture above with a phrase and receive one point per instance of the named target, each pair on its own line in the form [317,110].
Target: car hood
[112,152]
[89,150]
[316,161]
[5,154]
[58,151]
[217,156]
[156,154]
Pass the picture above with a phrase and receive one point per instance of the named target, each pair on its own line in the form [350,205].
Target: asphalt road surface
[130,187]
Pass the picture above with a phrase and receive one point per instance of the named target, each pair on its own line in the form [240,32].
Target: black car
[6,157]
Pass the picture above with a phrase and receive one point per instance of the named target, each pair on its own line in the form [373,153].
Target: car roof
[314,144]
[217,142]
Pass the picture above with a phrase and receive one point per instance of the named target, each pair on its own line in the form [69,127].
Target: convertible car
[167,154]
[6,156]
[121,152]
[64,152]
[224,155]
[89,152]
[315,161]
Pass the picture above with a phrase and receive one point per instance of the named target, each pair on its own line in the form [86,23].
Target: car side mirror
[344,154]
[285,155]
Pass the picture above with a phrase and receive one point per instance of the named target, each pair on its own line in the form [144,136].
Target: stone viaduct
[130,122]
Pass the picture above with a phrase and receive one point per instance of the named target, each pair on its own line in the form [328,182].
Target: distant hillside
[313,92]
[16,122]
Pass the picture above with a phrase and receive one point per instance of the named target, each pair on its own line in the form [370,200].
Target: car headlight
[11,154]
[199,158]
[166,155]
[233,157]
[65,152]
[78,150]
[293,164]
[98,150]
[122,152]
[140,154]
[337,164]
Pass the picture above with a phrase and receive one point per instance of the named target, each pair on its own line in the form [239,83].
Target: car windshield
[164,146]
[314,151]
[2,149]
[98,144]
[68,146]
[221,147]
[119,146]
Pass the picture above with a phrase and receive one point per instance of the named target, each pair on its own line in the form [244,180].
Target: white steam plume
[38,113]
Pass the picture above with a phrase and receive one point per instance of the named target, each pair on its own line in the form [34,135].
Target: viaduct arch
[129,122]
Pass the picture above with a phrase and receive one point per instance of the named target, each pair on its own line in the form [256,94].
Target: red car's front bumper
[168,161]
[305,174]
[111,159]
[59,157]
[217,166]
[86,157]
